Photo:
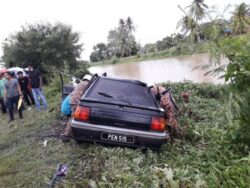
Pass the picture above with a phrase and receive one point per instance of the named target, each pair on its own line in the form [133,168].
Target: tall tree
[188,25]
[197,10]
[191,19]
[130,25]
[121,41]
[114,42]
[241,19]
[100,53]
[122,25]
[43,45]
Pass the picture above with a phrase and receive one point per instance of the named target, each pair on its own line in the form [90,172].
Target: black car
[119,112]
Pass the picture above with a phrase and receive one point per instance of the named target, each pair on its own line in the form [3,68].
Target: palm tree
[187,24]
[126,27]
[122,25]
[122,41]
[197,10]
[130,25]
[241,19]
[190,22]
[125,48]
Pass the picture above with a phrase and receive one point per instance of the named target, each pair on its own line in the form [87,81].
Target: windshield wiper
[105,95]
[110,96]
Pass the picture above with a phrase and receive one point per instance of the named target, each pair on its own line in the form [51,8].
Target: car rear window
[122,91]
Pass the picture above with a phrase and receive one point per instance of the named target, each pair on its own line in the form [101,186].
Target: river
[174,69]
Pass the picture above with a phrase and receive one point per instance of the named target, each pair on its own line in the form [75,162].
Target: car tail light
[158,124]
[82,113]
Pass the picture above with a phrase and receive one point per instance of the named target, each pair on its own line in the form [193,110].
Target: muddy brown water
[174,69]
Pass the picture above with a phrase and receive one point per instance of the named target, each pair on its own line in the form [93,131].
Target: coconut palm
[187,25]
[130,25]
[197,10]
[126,28]
[241,19]
[122,25]
[123,35]
[121,40]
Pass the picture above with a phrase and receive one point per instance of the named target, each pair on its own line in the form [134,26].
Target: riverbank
[180,50]
[205,157]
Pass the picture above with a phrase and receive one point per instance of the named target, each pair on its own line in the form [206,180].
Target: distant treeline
[197,25]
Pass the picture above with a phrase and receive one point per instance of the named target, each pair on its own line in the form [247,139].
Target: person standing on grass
[24,84]
[2,85]
[12,93]
[36,87]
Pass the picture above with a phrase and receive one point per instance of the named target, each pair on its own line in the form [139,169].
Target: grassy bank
[206,157]
[181,49]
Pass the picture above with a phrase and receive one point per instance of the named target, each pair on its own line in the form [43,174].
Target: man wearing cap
[2,84]
[70,103]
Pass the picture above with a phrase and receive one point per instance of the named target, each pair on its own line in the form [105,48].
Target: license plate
[117,138]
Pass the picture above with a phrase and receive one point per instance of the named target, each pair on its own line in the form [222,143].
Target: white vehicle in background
[16,70]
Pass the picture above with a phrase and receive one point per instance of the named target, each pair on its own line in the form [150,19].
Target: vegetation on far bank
[205,157]
[180,50]
[199,24]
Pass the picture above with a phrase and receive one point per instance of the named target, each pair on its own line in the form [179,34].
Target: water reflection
[173,69]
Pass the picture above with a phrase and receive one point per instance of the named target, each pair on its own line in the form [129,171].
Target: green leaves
[121,43]
[43,45]
[100,53]
[236,49]
[241,19]
[207,159]
[237,73]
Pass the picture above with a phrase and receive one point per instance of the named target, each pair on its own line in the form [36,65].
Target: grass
[182,49]
[204,157]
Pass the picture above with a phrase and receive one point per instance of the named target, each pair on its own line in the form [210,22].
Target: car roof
[129,92]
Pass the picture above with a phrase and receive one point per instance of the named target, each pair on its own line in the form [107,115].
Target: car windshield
[112,90]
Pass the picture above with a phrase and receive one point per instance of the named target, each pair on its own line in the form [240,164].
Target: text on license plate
[117,138]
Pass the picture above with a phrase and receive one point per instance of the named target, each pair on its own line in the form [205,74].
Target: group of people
[13,88]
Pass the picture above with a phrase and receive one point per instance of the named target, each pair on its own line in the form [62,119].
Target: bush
[114,60]
[236,50]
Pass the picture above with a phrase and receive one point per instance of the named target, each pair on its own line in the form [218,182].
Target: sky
[93,19]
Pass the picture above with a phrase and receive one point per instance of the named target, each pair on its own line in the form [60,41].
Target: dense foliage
[237,74]
[121,43]
[195,29]
[43,45]
[168,42]
[241,19]
[100,53]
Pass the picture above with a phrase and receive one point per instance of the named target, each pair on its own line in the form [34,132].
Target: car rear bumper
[83,131]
